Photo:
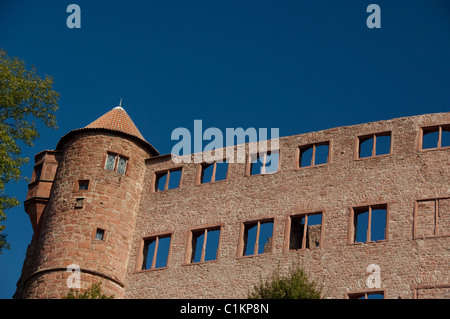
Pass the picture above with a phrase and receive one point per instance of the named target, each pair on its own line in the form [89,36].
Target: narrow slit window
[110,162]
[264,163]
[305,231]
[205,244]
[100,234]
[369,223]
[257,237]
[314,154]
[435,137]
[374,145]
[121,165]
[37,172]
[156,251]
[169,179]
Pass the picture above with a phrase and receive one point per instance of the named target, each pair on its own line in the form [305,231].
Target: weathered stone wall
[67,235]
[397,179]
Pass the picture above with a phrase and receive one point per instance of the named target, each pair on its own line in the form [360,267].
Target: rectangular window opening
[374,145]
[100,234]
[314,154]
[205,245]
[83,185]
[435,137]
[264,163]
[166,180]
[369,223]
[115,162]
[79,202]
[37,172]
[367,295]
[299,239]
[257,237]
[214,172]
[156,251]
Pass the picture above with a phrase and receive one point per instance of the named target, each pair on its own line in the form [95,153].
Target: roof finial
[120,105]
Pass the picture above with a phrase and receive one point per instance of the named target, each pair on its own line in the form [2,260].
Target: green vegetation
[24,98]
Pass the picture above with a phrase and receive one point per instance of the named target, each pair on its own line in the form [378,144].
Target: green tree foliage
[294,285]
[94,292]
[24,98]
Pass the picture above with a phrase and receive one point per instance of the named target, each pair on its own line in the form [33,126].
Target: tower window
[37,172]
[115,162]
[83,185]
[100,234]
[79,202]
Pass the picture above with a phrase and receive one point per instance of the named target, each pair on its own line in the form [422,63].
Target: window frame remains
[362,138]
[191,250]
[166,173]
[141,264]
[243,237]
[305,239]
[250,163]
[352,232]
[439,129]
[301,148]
[117,158]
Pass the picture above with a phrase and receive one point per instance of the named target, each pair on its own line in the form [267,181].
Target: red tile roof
[117,120]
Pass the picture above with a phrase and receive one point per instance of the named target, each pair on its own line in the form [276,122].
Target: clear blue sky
[299,66]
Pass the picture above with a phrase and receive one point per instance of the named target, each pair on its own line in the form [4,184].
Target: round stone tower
[82,203]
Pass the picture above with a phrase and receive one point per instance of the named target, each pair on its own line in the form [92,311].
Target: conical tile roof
[116,120]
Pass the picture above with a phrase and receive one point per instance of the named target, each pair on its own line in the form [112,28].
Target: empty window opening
[156,252]
[374,145]
[79,202]
[169,179]
[37,172]
[205,244]
[115,162]
[314,154]
[258,237]
[432,217]
[367,295]
[436,137]
[309,239]
[369,223]
[264,163]
[83,185]
[100,234]
[214,172]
